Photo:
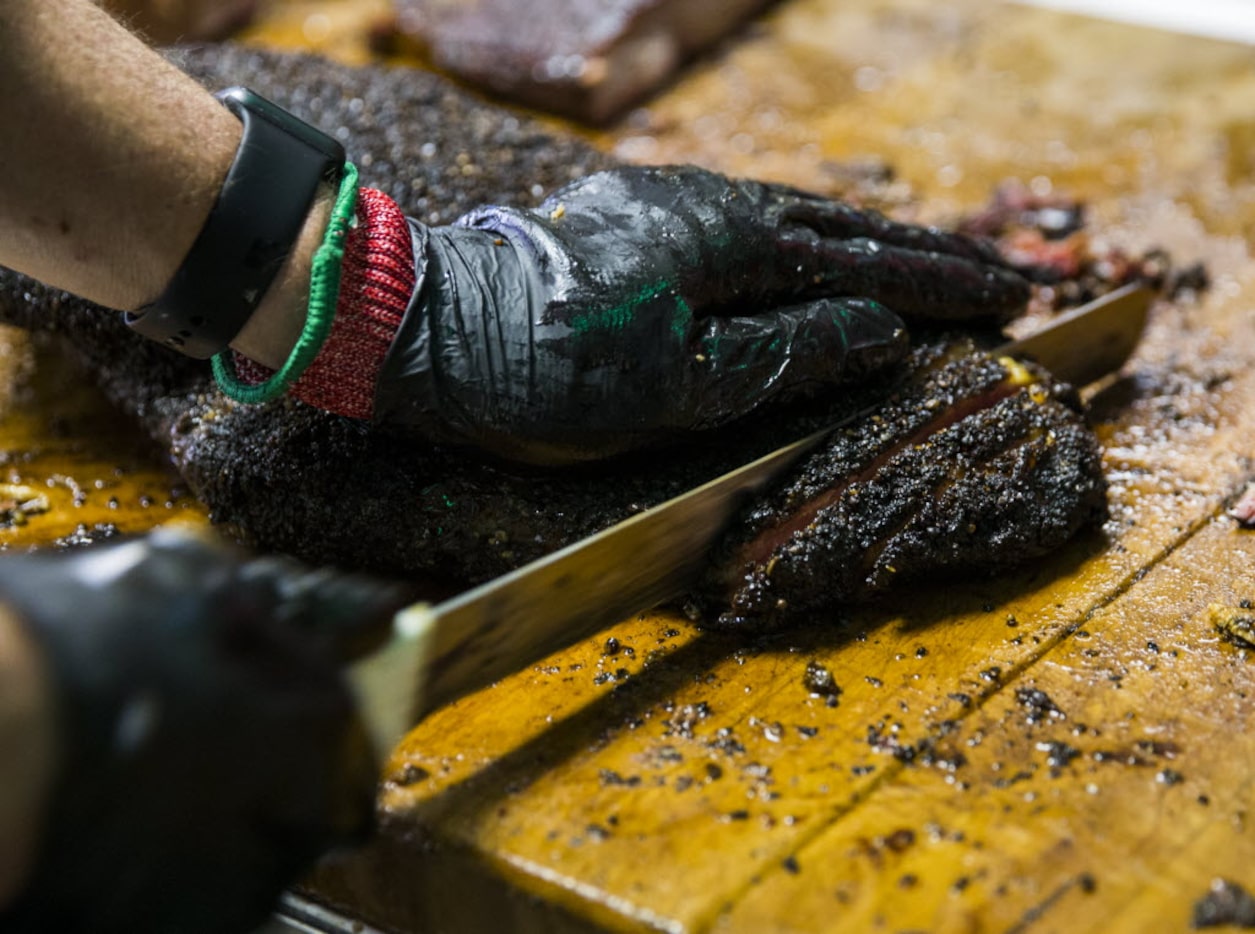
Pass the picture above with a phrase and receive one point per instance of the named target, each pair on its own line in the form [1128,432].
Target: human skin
[109,165]
[111,161]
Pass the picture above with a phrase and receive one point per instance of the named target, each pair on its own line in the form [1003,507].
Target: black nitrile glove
[644,303]
[208,747]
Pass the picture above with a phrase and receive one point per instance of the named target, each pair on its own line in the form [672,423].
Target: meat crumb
[1226,903]
[1234,623]
[819,681]
[1244,509]
[1037,705]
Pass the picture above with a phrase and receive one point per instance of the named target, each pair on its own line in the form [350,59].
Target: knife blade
[438,653]
[1083,345]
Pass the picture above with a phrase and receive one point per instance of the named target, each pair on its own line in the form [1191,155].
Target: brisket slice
[287,478]
[587,59]
[976,464]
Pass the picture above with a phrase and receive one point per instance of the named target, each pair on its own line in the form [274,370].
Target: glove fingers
[919,283]
[744,361]
[346,615]
[839,221]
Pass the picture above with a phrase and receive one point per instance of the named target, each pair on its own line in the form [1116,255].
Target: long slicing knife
[438,653]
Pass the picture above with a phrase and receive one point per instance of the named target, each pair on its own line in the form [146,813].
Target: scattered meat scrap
[1226,903]
[587,59]
[1045,238]
[1037,705]
[18,503]
[819,681]
[1244,509]
[1235,623]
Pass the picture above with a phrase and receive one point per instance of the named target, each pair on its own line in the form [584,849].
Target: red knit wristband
[376,281]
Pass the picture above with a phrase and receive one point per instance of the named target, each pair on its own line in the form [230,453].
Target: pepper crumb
[411,774]
[819,681]
[1235,623]
[1226,903]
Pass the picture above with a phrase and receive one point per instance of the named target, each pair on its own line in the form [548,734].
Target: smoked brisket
[1001,485]
[587,59]
[976,464]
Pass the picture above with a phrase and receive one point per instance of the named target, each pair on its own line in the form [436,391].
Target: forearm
[26,756]
[113,158]
[111,161]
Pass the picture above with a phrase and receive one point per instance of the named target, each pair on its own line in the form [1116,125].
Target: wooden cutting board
[1062,748]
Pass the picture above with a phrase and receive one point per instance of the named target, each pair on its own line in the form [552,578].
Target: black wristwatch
[264,201]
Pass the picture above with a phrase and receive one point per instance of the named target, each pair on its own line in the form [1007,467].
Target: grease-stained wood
[93,473]
[1063,748]
[698,785]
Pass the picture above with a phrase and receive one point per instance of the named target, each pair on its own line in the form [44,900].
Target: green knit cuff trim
[324,292]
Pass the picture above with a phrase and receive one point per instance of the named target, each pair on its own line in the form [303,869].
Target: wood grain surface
[1063,748]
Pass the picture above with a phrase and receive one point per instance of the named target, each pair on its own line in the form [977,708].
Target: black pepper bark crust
[287,478]
[977,464]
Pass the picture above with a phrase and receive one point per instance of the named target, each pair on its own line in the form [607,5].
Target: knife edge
[438,653]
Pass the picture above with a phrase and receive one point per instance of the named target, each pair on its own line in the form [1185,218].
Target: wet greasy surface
[1062,748]
[74,469]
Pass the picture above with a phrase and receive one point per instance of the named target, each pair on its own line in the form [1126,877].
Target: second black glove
[209,748]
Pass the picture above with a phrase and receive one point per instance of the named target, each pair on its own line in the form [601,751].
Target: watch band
[250,231]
